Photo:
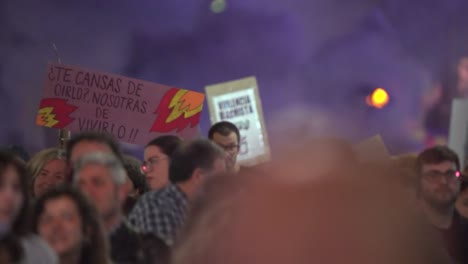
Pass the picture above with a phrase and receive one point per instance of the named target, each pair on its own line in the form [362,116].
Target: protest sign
[134,111]
[458,133]
[239,103]
[372,150]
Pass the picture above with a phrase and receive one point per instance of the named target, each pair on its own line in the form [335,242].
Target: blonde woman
[46,169]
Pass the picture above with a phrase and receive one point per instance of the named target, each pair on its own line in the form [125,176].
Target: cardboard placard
[134,111]
[239,103]
[372,150]
[458,133]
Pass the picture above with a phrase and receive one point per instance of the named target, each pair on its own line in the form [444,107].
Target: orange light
[378,99]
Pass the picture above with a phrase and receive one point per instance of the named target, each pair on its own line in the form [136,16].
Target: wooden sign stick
[64,135]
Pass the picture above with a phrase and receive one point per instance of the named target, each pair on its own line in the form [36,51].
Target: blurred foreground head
[318,205]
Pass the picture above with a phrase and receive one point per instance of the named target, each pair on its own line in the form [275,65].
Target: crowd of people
[191,202]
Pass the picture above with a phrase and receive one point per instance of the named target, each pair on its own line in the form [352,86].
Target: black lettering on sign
[60,74]
[51,75]
[236,112]
[118,131]
[67,75]
[88,124]
[235,102]
[134,88]
[97,80]
[79,78]
[119,102]
[143,107]
[132,135]
[244,146]
[129,103]
[102,113]
[121,132]
[71,92]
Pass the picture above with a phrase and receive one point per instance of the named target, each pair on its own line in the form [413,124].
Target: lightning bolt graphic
[177,109]
[185,103]
[46,118]
[54,113]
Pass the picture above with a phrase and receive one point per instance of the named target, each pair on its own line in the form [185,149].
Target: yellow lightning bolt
[46,118]
[185,102]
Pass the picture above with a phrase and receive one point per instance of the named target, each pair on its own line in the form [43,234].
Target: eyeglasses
[148,165]
[229,148]
[435,176]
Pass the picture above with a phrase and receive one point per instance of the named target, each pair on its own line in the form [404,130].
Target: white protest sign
[458,134]
[239,103]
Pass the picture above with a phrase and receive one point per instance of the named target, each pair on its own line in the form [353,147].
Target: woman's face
[156,167]
[52,174]
[11,197]
[60,225]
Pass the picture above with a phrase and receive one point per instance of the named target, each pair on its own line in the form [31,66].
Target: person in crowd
[439,171]
[461,204]
[102,177]
[17,242]
[70,224]
[227,136]
[351,213]
[89,142]
[163,212]
[452,83]
[157,156]
[47,169]
[139,185]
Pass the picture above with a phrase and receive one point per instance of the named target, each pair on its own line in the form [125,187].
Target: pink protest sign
[132,110]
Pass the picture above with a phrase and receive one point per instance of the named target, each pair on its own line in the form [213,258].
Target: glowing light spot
[218,6]
[378,99]
[457,174]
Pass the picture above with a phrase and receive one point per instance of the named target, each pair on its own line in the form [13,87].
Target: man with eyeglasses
[227,136]
[163,212]
[439,185]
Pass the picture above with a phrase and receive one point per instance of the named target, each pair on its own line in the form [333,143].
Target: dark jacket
[130,246]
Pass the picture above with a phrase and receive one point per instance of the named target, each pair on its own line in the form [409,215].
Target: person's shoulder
[149,204]
[150,198]
[159,202]
[36,250]
[168,197]
[158,194]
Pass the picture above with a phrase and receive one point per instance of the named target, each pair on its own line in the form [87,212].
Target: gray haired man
[102,177]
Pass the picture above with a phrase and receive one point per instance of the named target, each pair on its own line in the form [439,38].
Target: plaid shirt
[160,212]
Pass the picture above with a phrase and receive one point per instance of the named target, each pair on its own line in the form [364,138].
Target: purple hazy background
[315,60]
